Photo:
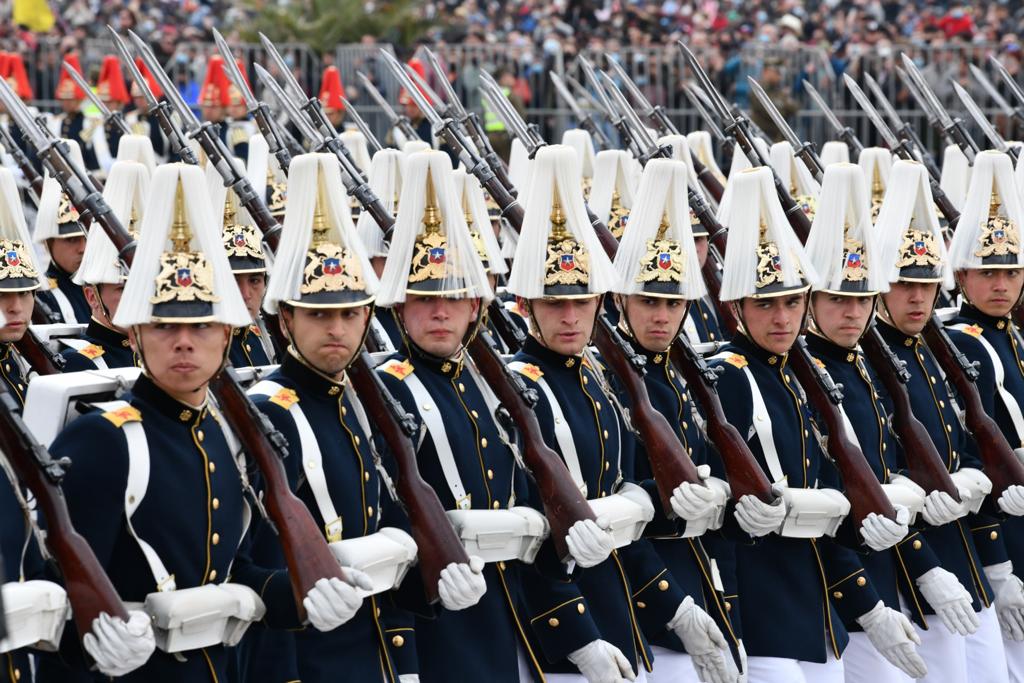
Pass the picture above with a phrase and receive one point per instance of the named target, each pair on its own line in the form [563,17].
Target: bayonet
[646,145]
[902,128]
[952,127]
[161,110]
[258,110]
[991,90]
[109,117]
[1011,83]
[584,93]
[393,117]
[371,139]
[986,126]
[647,109]
[617,118]
[845,133]
[500,104]
[804,150]
[586,121]
[704,113]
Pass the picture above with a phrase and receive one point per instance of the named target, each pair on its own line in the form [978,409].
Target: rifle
[984,124]
[89,589]
[40,358]
[802,150]
[845,133]
[371,139]
[617,119]
[162,110]
[394,119]
[35,180]
[305,548]
[903,128]
[259,111]
[217,153]
[738,127]
[355,185]
[510,333]
[997,97]
[312,107]
[1011,83]
[115,119]
[902,149]
[470,122]
[952,128]
[585,120]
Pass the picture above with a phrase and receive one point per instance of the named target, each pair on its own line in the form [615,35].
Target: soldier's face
[252,286]
[182,358]
[437,324]
[702,249]
[655,321]
[994,291]
[105,296]
[17,309]
[564,325]
[328,338]
[67,252]
[69,106]
[842,319]
[908,305]
[774,323]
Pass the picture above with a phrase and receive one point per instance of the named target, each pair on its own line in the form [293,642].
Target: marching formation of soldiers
[281,404]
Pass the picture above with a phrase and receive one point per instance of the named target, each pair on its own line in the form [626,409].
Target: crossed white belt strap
[312,462]
[67,311]
[135,491]
[1010,403]
[79,344]
[563,432]
[434,421]
[762,425]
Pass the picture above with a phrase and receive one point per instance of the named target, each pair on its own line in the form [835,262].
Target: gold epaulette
[92,351]
[397,368]
[285,398]
[736,360]
[973,330]
[122,415]
[532,371]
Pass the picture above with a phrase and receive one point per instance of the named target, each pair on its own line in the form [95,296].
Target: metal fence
[660,72]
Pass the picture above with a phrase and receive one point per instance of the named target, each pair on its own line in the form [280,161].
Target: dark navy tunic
[247,348]
[104,342]
[76,297]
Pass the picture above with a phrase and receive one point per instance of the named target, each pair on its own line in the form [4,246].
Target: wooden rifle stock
[862,487]
[302,541]
[564,504]
[670,463]
[1000,462]
[708,179]
[510,334]
[437,544]
[744,474]
[924,465]
[89,589]
[39,357]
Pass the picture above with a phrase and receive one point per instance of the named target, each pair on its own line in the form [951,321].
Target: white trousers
[779,670]
[672,667]
[978,658]
[526,677]
[862,663]
[1014,660]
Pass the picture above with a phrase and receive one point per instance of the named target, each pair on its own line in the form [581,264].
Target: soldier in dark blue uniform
[324,311]
[58,229]
[912,258]
[163,502]
[464,453]
[102,278]
[71,123]
[842,249]
[986,257]
[653,261]
[802,576]
[250,344]
[559,275]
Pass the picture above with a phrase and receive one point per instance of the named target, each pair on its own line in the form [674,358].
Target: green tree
[324,24]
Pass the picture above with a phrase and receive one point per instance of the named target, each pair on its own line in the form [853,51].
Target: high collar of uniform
[107,335]
[971,312]
[310,381]
[658,358]
[895,337]
[552,359]
[450,367]
[145,389]
[750,348]
[57,272]
[820,346]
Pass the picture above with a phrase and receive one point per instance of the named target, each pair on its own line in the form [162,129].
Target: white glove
[462,585]
[589,543]
[1012,500]
[950,600]
[758,518]
[332,602]
[893,636]
[409,678]
[119,647]
[880,532]
[697,501]
[973,486]
[704,643]
[1009,602]
[601,662]
[940,508]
